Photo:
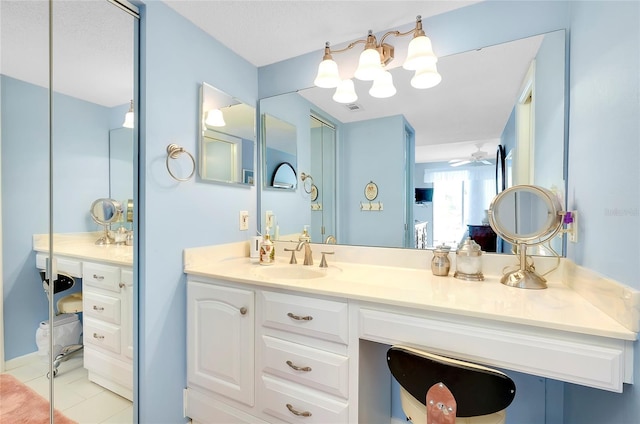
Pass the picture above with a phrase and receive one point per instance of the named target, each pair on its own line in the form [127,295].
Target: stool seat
[482,394]
[70,304]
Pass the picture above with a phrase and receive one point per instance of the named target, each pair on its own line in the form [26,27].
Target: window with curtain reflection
[460,198]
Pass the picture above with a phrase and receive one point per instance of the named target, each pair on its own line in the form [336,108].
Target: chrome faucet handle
[293,255]
[323,261]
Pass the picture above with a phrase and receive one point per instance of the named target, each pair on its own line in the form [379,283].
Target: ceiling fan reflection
[477,158]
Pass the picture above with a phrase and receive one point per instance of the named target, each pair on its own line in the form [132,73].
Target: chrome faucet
[308,255]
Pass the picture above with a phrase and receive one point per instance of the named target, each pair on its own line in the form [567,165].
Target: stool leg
[441,405]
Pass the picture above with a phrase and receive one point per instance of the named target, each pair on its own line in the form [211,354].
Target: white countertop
[82,246]
[558,307]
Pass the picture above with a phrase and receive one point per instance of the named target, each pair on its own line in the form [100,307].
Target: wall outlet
[244,220]
[268,219]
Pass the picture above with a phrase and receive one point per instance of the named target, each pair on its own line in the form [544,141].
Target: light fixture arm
[417,31]
[386,50]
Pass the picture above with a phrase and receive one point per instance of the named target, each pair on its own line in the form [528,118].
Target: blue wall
[80,175]
[604,177]
[176,58]
[386,168]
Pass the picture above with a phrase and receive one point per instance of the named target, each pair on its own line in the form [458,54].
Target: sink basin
[292,272]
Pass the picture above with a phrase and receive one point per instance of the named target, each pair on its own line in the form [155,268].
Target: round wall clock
[371,191]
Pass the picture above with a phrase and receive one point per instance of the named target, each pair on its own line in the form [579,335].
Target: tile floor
[75,396]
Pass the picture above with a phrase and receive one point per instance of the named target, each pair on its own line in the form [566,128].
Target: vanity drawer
[305,365]
[101,334]
[293,404]
[106,308]
[68,266]
[102,276]
[318,318]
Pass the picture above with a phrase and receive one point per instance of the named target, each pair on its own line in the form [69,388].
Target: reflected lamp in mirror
[372,61]
[215,118]
[525,216]
[227,138]
[128,117]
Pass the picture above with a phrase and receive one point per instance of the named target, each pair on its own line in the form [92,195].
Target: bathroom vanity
[107,292]
[285,342]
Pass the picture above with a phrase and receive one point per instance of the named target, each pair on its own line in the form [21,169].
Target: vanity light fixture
[420,58]
[128,118]
[215,118]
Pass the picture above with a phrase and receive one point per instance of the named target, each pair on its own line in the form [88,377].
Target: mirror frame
[241,176]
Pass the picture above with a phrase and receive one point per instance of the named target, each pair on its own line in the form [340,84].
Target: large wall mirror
[280,153]
[510,95]
[227,138]
[63,147]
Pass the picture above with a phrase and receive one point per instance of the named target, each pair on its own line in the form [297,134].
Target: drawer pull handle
[98,277]
[243,311]
[98,308]
[122,285]
[297,368]
[98,336]
[299,318]
[298,413]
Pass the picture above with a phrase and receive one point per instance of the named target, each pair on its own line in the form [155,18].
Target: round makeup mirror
[105,212]
[525,215]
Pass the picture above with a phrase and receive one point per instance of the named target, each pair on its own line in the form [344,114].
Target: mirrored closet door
[69,151]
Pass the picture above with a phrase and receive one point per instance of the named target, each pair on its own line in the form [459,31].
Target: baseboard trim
[21,361]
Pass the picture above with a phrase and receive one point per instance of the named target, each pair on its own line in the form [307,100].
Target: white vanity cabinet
[107,326]
[220,352]
[261,356]
[302,358]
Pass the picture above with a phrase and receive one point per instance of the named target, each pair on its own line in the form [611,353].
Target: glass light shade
[426,77]
[128,120]
[346,92]
[215,118]
[327,76]
[383,86]
[369,65]
[420,54]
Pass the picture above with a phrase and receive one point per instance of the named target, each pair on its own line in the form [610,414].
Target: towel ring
[173,151]
[304,177]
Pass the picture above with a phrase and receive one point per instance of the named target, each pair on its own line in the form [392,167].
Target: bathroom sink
[292,272]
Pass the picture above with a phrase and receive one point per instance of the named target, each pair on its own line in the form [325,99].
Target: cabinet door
[220,340]
[126,294]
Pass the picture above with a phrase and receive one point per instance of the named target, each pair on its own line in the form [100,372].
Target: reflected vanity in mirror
[105,212]
[227,138]
[437,116]
[526,216]
[280,153]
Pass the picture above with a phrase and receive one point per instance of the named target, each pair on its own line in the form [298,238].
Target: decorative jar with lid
[440,263]
[469,261]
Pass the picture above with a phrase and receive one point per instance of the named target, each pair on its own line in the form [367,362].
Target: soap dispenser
[267,250]
[305,235]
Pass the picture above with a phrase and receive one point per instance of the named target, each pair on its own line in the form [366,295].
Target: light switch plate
[268,218]
[244,220]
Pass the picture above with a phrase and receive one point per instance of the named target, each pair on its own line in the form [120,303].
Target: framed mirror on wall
[280,153]
[227,138]
[447,129]
[58,119]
